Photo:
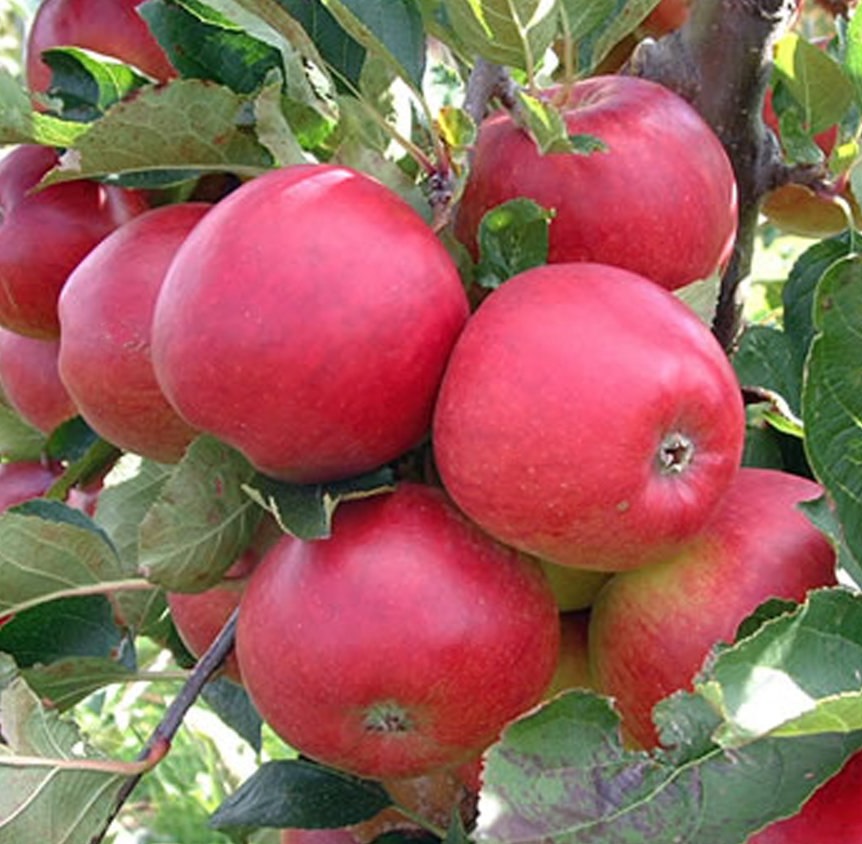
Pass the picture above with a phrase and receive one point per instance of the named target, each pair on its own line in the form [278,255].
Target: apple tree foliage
[267,83]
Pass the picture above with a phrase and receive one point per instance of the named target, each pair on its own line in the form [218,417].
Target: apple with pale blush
[387,649]
[106,313]
[45,233]
[652,629]
[659,197]
[574,589]
[31,382]
[588,417]
[306,321]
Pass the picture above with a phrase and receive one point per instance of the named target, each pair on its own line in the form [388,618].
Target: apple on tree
[651,629]
[307,322]
[111,27]
[31,382]
[658,198]
[588,417]
[106,313]
[45,233]
[389,649]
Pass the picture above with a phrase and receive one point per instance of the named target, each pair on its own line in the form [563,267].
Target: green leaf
[832,395]
[18,441]
[390,29]
[204,44]
[853,55]
[273,129]
[232,704]
[184,125]
[822,515]
[595,27]
[815,81]
[515,33]
[544,123]
[202,520]
[67,682]
[457,128]
[306,511]
[797,675]
[513,237]
[301,794]
[561,774]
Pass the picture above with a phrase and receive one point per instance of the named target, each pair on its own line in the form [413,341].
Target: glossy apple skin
[20,482]
[387,649]
[307,322]
[668,16]
[651,629]
[567,389]
[832,815]
[111,27]
[31,382]
[106,313]
[44,234]
[660,201]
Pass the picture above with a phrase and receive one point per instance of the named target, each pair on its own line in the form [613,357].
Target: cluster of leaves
[266,83]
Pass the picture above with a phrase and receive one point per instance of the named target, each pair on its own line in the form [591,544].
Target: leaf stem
[135,584]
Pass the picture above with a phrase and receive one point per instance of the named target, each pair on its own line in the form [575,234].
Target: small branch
[487,81]
[160,741]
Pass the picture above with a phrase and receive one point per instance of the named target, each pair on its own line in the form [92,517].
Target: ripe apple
[667,16]
[659,200]
[110,27]
[388,649]
[651,629]
[31,382]
[832,815]
[106,313]
[307,322]
[22,481]
[317,836]
[45,233]
[587,417]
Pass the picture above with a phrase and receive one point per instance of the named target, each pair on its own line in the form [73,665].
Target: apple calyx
[675,454]
[388,717]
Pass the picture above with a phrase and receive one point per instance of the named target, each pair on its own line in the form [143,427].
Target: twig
[160,741]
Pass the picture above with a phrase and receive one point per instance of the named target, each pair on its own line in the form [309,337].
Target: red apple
[22,481]
[667,16]
[307,322]
[659,200]
[588,417]
[111,27]
[574,589]
[388,649]
[651,629]
[833,815]
[106,313]
[317,836]
[45,233]
[31,382]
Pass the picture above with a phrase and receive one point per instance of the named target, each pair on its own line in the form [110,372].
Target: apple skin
[22,481]
[660,201]
[667,17]
[574,589]
[832,815]
[651,629]
[44,234]
[106,313]
[387,649]
[307,322]
[560,413]
[111,27]
[31,382]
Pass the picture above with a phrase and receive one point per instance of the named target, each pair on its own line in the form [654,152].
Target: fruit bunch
[531,489]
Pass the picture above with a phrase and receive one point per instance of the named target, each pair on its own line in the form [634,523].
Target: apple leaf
[204,44]
[231,703]
[185,125]
[815,80]
[595,27]
[513,237]
[832,398]
[561,774]
[201,521]
[18,441]
[64,683]
[301,794]
[52,785]
[306,511]
[822,515]
[764,359]
[853,55]
[515,33]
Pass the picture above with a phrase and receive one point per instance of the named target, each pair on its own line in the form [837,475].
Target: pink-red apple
[45,233]
[667,16]
[106,313]
[110,27]
[22,481]
[588,417]
[659,199]
[307,322]
[388,650]
[833,814]
[31,382]
[651,629]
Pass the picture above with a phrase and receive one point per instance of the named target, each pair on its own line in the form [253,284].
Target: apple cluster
[586,502]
